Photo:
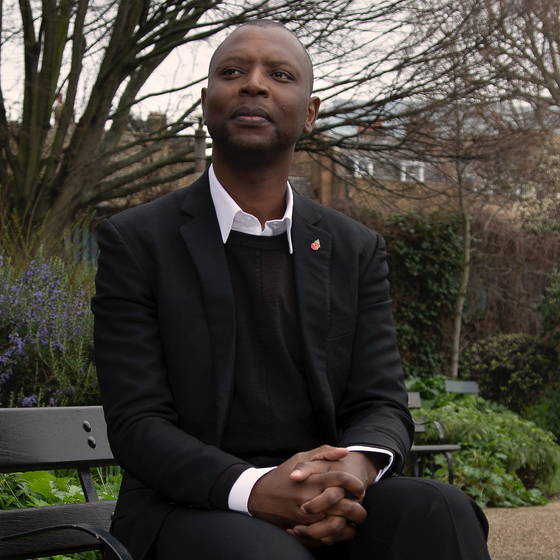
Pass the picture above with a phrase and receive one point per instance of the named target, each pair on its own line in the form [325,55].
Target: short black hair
[278,25]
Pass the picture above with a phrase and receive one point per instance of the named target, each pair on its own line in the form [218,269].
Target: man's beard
[251,144]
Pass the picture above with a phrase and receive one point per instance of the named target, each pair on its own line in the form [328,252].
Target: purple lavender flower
[43,322]
[17,342]
[29,401]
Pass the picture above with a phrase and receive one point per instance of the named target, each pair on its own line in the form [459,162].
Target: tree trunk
[463,287]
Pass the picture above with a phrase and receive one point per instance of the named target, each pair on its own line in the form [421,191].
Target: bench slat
[435,448]
[53,438]
[21,520]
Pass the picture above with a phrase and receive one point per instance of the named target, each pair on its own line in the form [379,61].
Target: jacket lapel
[312,275]
[201,234]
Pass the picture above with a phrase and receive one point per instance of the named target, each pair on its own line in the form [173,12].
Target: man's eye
[280,75]
[231,72]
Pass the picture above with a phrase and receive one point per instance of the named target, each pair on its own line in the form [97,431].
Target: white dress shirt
[232,218]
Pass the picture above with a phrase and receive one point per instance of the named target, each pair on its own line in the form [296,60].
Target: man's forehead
[287,46]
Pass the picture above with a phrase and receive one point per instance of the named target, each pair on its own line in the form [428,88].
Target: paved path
[529,533]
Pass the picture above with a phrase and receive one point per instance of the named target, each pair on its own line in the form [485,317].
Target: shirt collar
[232,218]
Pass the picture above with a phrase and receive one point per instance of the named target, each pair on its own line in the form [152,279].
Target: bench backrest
[468,387]
[465,387]
[34,439]
[414,400]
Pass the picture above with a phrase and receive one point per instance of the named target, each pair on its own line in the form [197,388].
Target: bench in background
[33,439]
[465,387]
[419,454]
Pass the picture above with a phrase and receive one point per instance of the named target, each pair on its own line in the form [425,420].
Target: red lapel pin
[316,245]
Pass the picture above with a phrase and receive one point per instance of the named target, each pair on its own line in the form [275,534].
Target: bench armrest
[100,534]
[438,426]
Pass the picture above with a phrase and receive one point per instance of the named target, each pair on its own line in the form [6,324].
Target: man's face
[257,98]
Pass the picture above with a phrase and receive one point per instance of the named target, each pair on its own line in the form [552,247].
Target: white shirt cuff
[238,499]
[390,457]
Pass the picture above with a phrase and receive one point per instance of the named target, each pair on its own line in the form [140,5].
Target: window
[362,167]
[412,171]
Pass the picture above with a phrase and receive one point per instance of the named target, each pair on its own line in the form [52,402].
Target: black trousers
[408,518]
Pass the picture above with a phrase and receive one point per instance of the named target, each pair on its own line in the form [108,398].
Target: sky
[185,64]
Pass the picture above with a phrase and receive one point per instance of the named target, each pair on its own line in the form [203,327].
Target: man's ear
[203,100]
[312,114]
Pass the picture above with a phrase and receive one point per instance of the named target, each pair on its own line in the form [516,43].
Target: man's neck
[259,188]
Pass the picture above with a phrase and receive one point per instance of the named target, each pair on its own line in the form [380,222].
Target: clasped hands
[315,495]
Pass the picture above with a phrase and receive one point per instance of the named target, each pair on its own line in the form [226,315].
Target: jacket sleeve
[143,425]
[374,407]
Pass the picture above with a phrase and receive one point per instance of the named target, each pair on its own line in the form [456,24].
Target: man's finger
[328,453]
[305,469]
[322,476]
[323,453]
[327,531]
[302,471]
[329,502]
[325,501]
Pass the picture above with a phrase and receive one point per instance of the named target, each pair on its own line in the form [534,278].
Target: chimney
[156,123]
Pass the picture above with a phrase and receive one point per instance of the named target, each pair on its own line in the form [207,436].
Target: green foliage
[46,341]
[41,488]
[20,246]
[554,487]
[549,308]
[37,489]
[546,413]
[513,369]
[505,460]
[89,555]
[424,262]
[481,475]
[431,389]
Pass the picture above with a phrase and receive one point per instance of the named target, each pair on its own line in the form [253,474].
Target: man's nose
[255,83]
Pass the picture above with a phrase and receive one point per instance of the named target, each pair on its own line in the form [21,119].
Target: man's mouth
[250,115]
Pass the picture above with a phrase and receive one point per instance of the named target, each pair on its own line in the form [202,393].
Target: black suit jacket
[165,347]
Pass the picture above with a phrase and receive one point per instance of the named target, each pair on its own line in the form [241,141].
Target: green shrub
[549,308]
[40,488]
[546,413]
[46,341]
[432,391]
[424,256]
[505,460]
[513,369]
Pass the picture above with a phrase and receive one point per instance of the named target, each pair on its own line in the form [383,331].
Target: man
[239,328]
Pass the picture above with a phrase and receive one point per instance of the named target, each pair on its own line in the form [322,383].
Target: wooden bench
[464,387]
[33,439]
[419,454]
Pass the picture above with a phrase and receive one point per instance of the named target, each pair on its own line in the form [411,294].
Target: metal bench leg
[432,467]
[449,466]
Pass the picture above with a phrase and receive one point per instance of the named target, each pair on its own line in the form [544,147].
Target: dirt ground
[530,533]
